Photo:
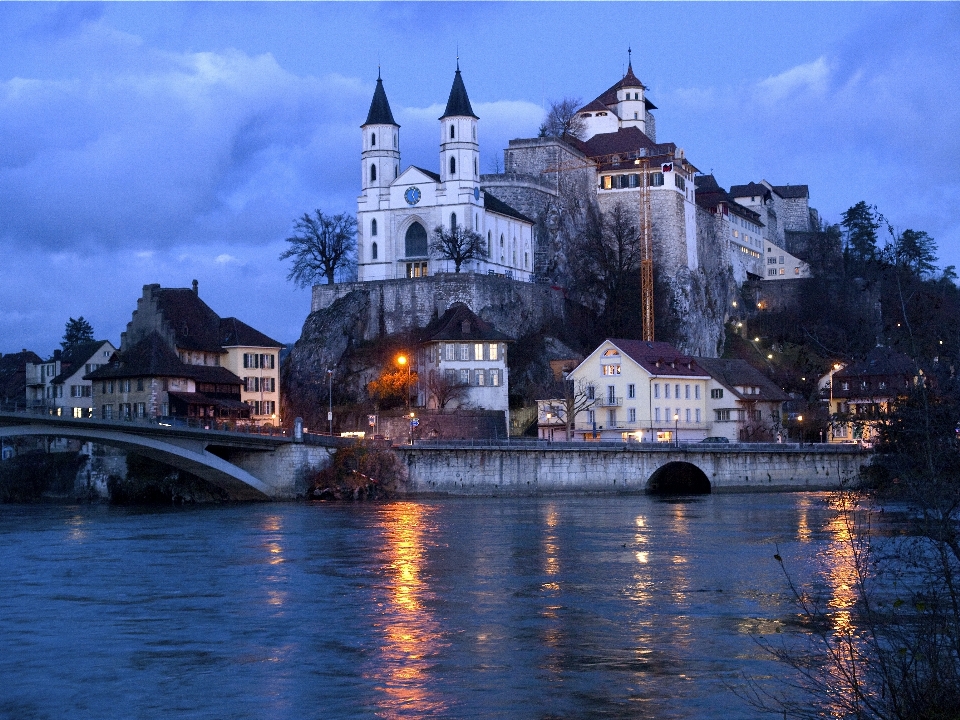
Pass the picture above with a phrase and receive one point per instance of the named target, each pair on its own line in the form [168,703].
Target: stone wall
[795,214]
[285,469]
[450,425]
[395,306]
[613,469]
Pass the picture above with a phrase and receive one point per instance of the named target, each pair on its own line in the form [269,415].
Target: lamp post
[800,428]
[403,360]
[330,399]
[676,428]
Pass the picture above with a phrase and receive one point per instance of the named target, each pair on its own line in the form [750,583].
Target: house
[397,211]
[13,378]
[859,392]
[640,391]
[72,391]
[178,358]
[463,363]
[743,404]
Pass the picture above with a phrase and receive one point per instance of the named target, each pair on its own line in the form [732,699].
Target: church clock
[412,195]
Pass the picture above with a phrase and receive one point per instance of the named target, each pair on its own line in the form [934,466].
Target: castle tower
[631,106]
[459,150]
[380,158]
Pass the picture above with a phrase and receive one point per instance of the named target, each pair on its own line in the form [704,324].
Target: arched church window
[373,251]
[501,239]
[474,167]
[489,243]
[373,227]
[394,139]
[415,241]
[373,173]
[453,166]
[474,133]
[373,138]
[453,221]
[451,131]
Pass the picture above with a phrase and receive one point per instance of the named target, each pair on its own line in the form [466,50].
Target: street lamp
[402,361]
[800,428]
[676,428]
[330,399]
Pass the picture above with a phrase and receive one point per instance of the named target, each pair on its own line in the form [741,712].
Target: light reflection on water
[619,607]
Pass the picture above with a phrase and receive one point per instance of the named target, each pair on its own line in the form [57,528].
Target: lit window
[494,348]
[478,351]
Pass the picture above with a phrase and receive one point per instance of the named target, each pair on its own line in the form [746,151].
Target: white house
[743,404]
[463,362]
[642,392]
[58,384]
[397,211]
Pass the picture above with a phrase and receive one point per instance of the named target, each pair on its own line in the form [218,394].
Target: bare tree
[321,246]
[458,244]
[562,120]
[445,389]
[577,398]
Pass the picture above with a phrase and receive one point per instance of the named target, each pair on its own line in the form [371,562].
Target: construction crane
[641,163]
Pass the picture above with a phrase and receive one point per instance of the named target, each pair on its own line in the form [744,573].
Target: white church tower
[459,149]
[380,158]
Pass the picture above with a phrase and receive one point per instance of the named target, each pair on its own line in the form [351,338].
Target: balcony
[609,401]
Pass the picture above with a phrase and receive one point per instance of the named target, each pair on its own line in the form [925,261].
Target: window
[696,392]
[373,228]
[464,376]
[464,353]
[782,271]
[591,417]
[666,390]
[631,390]
[139,384]
[478,351]
[606,182]
[698,414]
[772,272]
[453,221]
[373,173]
[489,243]
[612,418]
[373,249]
[494,351]
[679,181]
[452,131]
[781,259]
[448,351]
[758,415]
[481,378]
[631,415]
[688,414]
[796,271]
[611,369]
[771,261]
[373,138]
[656,414]
[722,415]
[140,410]
[453,164]
[716,393]
[495,378]
[78,412]
[106,412]
[415,241]
[611,393]
[590,392]
[475,173]
[656,390]
[656,179]
[676,391]
[686,392]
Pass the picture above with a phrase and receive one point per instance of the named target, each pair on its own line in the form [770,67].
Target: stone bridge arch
[190,456]
[678,478]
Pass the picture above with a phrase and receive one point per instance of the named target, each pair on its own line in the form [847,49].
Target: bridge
[525,468]
[248,466]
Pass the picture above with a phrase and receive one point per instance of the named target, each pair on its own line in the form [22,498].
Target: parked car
[715,439]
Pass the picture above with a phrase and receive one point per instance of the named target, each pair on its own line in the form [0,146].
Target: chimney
[57,354]
[196,287]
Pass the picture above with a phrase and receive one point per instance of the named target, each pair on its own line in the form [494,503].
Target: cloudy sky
[157,143]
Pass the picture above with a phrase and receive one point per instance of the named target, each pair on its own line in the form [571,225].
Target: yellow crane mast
[646,229]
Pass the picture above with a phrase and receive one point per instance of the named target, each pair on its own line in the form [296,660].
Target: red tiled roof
[460,323]
[659,358]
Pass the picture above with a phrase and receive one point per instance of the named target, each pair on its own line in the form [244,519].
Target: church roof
[380,108]
[458,104]
[608,98]
[496,205]
[430,174]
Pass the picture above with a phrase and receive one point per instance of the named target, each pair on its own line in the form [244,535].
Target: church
[398,212]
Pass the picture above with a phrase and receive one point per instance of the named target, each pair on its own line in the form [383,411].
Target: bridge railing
[537,444]
[176,422]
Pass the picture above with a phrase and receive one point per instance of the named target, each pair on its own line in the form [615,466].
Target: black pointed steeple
[379,108]
[458,104]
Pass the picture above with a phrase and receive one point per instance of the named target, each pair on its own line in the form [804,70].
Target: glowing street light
[676,429]
[403,360]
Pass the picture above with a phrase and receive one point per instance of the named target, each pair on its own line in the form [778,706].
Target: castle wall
[795,215]
[395,306]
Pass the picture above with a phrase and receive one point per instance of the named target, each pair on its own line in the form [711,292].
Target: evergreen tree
[860,224]
[77,331]
[916,251]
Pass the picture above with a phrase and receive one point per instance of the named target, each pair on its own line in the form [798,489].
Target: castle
[706,241]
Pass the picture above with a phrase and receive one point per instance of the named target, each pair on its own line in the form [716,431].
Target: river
[564,607]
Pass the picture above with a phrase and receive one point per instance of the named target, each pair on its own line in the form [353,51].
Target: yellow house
[640,391]
[254,358]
